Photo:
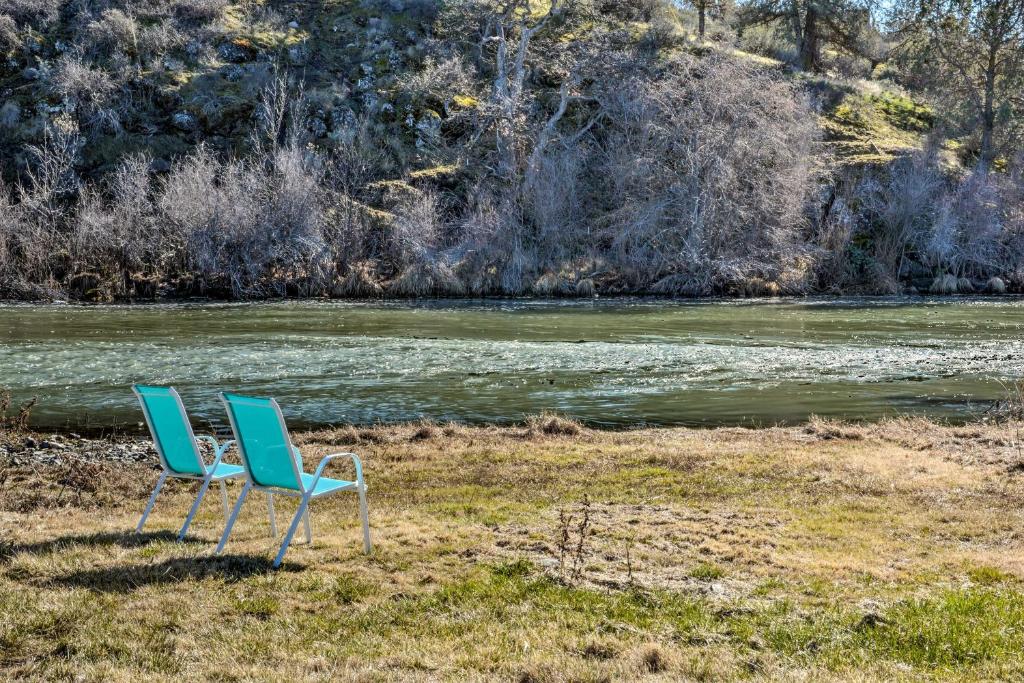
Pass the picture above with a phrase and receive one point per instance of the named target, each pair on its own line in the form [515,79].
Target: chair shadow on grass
[124,539]
[123,578]
[126,577]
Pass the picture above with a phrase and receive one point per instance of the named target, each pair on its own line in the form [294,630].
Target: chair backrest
[172,434]
[263,441]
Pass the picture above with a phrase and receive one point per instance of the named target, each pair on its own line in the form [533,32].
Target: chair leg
[224,498]
[270,511]
[291,531]
[232,518]
[152,501]
[195,508]
[309,528]
[367,547]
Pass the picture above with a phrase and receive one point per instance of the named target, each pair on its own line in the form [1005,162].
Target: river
[607,362]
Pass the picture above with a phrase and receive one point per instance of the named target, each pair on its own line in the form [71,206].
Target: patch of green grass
[261,606]
[903,112]
[867,127]
[767,587]
[952,629]
[516,589]
[988,576]
[345,590]
[706,571]
[520,567]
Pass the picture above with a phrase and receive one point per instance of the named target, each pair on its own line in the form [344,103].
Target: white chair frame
[304,495]
[208,472]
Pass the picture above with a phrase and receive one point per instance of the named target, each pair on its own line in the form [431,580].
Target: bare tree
[705,175]
[510,31]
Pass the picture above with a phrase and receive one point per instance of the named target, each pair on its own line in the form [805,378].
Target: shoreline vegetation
[831,551]
[625,297]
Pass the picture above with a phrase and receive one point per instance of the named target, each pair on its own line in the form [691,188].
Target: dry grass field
[543,553]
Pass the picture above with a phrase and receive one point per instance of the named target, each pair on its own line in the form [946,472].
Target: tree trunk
[701,11]
[809,40]
[988,112]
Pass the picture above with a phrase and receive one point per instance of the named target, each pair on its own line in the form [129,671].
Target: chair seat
[325,485]
[226,471]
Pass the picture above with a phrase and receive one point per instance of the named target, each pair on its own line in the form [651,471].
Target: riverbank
[925,289]
[826,551]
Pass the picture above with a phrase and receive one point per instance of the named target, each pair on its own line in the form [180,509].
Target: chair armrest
[329,458]
[219,448]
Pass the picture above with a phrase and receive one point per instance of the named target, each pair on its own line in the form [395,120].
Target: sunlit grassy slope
[828,552]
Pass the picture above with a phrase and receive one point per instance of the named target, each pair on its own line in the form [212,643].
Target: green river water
[611,363]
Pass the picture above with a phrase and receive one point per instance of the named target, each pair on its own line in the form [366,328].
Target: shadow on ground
[122,539]
[122,578]
[127,577]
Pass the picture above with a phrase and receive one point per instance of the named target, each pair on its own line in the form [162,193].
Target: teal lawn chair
[274,465]
[179,452]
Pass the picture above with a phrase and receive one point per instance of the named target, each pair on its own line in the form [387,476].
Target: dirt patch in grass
[649,547]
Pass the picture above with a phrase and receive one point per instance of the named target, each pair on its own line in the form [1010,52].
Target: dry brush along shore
[533,553]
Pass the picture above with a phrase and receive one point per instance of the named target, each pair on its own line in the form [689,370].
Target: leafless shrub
[769,40]
[663,31]
[113,31]
[115,232]
[271,116]
[573,550]
[956,226]
[9,265]
[39,13]
[965,234]
[296,208]
[86,91]
[426,278]
[630,10]
[200,10]
[847,65]
[552,196]
[160,38]
[52,174]
[498,256]
[413,237]
[19,421]
[10,41]
[900,206]
[707,175]
[248,228]
[439,81]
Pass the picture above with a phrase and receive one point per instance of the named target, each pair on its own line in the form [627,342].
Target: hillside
[414,148]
